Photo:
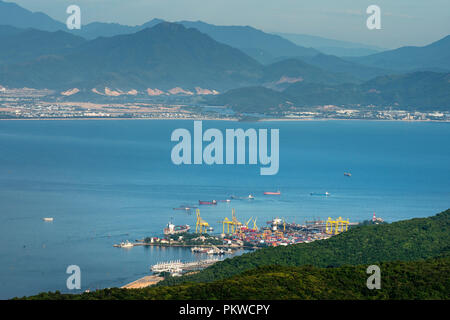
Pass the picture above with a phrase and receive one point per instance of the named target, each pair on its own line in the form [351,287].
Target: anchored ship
[326,194]
[272,193]
[173,229]
[213,202]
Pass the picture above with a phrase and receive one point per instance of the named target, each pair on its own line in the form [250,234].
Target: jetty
[177,267]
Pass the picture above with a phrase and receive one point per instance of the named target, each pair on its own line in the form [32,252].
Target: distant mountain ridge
[20,45]
[331,46]
[250,40]
[163,56]
[433,56]
[16,16]
[420,90]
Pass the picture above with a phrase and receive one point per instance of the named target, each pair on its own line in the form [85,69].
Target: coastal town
[40,104]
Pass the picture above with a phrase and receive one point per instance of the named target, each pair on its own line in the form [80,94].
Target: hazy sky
[403,22]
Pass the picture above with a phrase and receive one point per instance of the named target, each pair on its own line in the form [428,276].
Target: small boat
[213,202]
[249,197]
[186,208]
[326,194]
[272,193]
[126,244]
[47,219]
[347,174]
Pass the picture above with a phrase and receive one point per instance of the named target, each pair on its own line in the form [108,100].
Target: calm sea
[109,181]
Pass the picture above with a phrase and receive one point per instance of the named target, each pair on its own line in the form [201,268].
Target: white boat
[47,219]
[126,244]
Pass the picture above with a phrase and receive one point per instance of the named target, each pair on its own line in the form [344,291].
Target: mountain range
[166,55]
[433,57]
[187,57]
[418,90]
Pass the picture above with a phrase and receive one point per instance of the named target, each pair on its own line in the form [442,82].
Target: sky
[403,22]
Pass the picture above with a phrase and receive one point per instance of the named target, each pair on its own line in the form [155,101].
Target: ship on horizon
[272,193]
[201,202]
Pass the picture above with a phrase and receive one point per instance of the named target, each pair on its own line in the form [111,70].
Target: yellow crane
[233,225]
[336,226]
[201,225]
[236,223]
[255,227]
[246,224]
[226,222]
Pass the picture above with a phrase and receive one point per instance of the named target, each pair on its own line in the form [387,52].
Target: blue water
[109,181]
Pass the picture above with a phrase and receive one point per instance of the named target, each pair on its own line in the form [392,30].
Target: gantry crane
[336,226]
[201,224]
[255,227]
[234,225]
[227,222]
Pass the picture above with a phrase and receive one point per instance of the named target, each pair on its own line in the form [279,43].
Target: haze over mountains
[193,57]
[331,46]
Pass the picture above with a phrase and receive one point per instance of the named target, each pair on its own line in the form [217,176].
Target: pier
[177,266]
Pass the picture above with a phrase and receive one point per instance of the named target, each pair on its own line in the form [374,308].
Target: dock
[178,267]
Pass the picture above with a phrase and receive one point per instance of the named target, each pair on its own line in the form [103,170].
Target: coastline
[222,119]
[143,282]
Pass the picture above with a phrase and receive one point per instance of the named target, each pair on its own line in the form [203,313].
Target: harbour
[103,183]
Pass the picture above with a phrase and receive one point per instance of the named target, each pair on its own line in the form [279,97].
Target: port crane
[232,224]
[336,226]
[201,225]
[226,222]
[255,227]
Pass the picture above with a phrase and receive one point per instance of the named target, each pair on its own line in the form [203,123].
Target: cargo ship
[213,202]
[173,229]
[272,193]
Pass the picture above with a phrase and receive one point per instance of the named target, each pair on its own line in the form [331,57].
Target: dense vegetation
[428,279]
[414,257]
[407,240]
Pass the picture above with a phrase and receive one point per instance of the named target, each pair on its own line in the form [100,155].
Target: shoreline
[221,119]
[143,282]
